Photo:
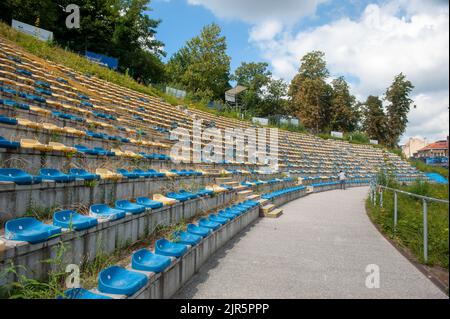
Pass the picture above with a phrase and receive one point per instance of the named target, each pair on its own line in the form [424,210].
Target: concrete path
[319,248]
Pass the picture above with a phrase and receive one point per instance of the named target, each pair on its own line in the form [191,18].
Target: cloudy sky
[368,42]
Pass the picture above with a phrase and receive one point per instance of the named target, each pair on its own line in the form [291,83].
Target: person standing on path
[342,179]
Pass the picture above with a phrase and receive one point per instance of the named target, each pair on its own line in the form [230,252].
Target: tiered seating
[65,130]
[117,280]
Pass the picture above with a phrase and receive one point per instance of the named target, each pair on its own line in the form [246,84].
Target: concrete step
[243,194]
[267,208]
[309,189]
[274,213]
[253,197]
[223,180]
[262,201]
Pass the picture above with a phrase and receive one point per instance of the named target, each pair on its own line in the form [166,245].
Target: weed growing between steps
[54,286]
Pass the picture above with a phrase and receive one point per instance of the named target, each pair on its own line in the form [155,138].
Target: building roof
[236,90]
[436,145]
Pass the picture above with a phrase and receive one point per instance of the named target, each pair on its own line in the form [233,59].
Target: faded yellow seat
[61,147]
[28,123]
[118,152]
[165,200]
[40,110]
[73,131]
[168,173]
[52,127]
[132,154]
[215,188]
[107,174]
[34,144]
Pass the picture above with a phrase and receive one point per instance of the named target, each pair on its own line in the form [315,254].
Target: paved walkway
[319,248]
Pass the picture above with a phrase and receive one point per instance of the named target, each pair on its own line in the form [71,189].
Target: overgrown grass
[409,230]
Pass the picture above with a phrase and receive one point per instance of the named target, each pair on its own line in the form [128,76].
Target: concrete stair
[270,211]
[242,195]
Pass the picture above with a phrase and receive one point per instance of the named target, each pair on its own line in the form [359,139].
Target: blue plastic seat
[148,203]
[8,120]
[155,173]
[197,230]
[167,248]
[29,229]
[187,194]
[186,238]
[81,293]
[4,143]
[205,222]
[84,149]
[145,260]
[218,219]
[72,220]
[118,280]
[102,151]
[223,214]
[142,173]
[129,207]
[180,197]
[205,192]
[106,212]
[83,174]
[127,174]
[55,175]
[18,176]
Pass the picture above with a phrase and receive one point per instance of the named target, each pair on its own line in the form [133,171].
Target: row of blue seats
[20,177]
[118,280]
[33,231]
[281,192]
[324,184]
[5,143]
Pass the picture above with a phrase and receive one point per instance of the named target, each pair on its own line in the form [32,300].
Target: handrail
[431,199]
[425,200]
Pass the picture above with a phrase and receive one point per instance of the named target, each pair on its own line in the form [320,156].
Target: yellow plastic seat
[52,127]
[34,144]
[118,152]
[165,200]
[168,173]
[215,188]
[107,174]
[61,147]
[40,110]
[73,131]
[28,123]
[132,154]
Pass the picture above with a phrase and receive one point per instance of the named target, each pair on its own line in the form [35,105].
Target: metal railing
[425,199]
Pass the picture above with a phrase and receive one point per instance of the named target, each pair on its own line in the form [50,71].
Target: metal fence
[380,189]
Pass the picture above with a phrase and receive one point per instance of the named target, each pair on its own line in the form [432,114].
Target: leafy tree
[254,76]
[374,119]
[398,108]
[310,94]
[344,112]
[118,28]
[202,66]
[274,101]
[41,13]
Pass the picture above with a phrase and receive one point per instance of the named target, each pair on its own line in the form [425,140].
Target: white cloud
[256,11]
[373,49]
[265,31]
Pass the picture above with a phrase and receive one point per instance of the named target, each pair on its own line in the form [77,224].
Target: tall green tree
[274,98]
[202,66]
[310,94]
[344,111]
[399,103]
[255,76]
[374,119]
